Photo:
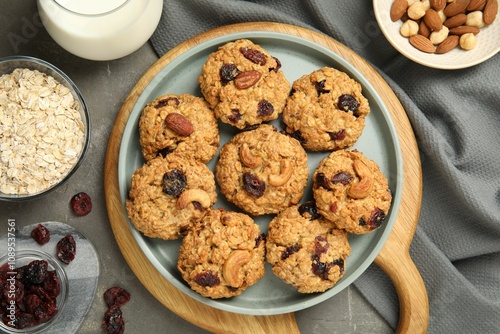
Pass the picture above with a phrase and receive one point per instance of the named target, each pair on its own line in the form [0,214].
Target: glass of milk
[100,29]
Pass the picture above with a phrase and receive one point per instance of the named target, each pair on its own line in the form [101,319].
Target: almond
[423,29]
[456,7]
[438,4]
[432,19]
[464,30]
[398,8]
[490,11]
[448,44]
[422,43]
[179,124]
[247,79]
[476,5]
[455,21]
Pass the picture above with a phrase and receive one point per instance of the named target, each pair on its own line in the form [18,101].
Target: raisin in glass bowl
[34,291]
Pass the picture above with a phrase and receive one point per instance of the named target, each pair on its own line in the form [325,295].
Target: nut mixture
[41,132]
[439,26]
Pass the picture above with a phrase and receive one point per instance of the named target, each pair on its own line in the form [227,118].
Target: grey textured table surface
[105,86]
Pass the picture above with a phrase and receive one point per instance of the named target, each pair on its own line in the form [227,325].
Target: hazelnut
[409,28]
[468,41]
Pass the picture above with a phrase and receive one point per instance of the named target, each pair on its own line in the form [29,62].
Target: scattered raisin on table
[116,296]
[113,320]
[40,234]
[81,204]
[66,249]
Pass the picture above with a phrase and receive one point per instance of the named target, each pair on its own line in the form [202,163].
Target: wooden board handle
[413,302]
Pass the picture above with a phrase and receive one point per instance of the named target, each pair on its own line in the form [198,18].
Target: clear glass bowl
[23,257]
[7,66]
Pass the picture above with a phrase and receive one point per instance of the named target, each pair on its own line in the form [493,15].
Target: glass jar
[100,30]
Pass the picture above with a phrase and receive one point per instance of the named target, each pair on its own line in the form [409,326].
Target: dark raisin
[235,116]
[116,296]
[174,182]
[113,320]
[32,303]
[35,271]
[278,65]
[207,278]
[362,221]
[298,136]
[40,234]
[340,263]
[260,238]
[320,87]
[255,56]
[347,102]
[253,185]
[319,268]
[24,320]
[322,181]
[228,72]
[81,204]
[66,249]
[51,284]
[164,152]
[265,108]
[321,245]
[169,101]
[289,251]
[310,209]
[339,135]
[342,178]
[377,218]
[232,288]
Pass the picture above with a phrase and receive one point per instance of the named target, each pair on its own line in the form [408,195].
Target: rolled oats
[41,132]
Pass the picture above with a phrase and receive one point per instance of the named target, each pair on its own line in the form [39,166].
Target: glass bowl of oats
[44,128]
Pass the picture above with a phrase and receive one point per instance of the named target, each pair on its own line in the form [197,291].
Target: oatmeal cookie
[262,171]
[183,124]
[223,255]
[351,191]
[169,195]
[305,250]
[326,110]
[244,84]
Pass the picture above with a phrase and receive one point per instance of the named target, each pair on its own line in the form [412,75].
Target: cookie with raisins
[305,250]
[223,254]
[183,124]
[169,195]
[243,83]
[351,191]
[326,110]
[262,171]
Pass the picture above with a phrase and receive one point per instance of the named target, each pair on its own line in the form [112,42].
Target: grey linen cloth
[456,119]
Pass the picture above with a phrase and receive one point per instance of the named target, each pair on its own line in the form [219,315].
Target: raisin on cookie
[326,110]
[183,124]
[351,191]
[169,195]
[222,255]
[305,250]
[262,171]
[244,85]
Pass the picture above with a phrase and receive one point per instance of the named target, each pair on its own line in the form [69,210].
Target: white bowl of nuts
[44,128]
[444,34]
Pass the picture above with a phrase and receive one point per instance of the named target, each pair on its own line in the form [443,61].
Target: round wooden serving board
[394,258]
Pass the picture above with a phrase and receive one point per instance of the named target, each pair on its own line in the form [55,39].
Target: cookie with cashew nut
[183,124]
[168,196]
[351,191]
[326,110]
[262,171]
[244,84]
[223,254]
[305,250]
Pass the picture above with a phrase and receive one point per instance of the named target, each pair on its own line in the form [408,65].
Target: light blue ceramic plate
[378,142]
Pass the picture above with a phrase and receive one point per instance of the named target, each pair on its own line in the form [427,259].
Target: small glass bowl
[23,257]
[7,66]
